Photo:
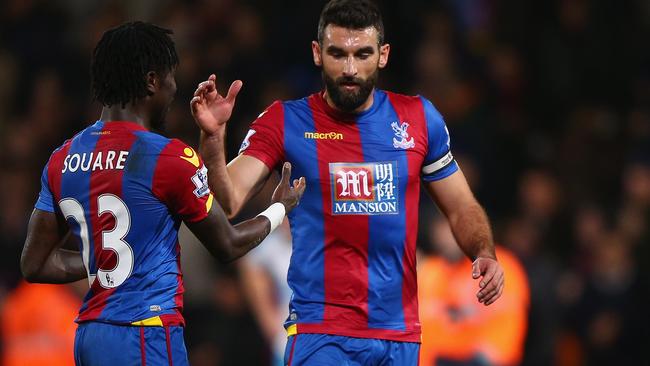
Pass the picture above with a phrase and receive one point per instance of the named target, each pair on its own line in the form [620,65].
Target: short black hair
[351,14]
[123,57]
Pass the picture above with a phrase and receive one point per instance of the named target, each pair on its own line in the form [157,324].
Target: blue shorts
[98,344]
[325,349]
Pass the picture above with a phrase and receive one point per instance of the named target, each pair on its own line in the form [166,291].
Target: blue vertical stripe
[137,180]
[307,268]
[77,184]
[387,234]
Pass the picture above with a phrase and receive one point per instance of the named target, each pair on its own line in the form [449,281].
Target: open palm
[210,110]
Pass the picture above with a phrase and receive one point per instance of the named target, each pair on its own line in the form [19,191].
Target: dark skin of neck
[134,112]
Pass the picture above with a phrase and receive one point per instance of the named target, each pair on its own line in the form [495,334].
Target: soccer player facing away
[122,192]
[364,152]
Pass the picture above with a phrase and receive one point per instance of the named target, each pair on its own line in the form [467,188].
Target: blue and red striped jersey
[124,191]
[352,269]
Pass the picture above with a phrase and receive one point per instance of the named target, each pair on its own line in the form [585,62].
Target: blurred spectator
[458,330]
[37,324]
[264,278]
[610,317]
[224,331]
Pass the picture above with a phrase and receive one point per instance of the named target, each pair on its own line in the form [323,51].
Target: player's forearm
[471,229]
[225,241]
[62,266]
[249,234]
[214,157]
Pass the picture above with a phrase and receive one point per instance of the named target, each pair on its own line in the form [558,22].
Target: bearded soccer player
[122,192]
[364,152]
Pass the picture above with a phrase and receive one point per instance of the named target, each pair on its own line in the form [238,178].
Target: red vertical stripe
[169,346]
[293,348]
[410,110]
[102,182]
[54,169]
[143,356]
[346,252]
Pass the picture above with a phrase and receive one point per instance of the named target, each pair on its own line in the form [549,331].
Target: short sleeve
[265,138]
[439,162]
[45,200]
[181,182]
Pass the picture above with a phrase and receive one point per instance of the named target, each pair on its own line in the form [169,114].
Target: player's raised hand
[210,110]
[491,284]
[287,194]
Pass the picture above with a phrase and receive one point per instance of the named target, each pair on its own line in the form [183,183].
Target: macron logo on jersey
[364,188]
[324,135]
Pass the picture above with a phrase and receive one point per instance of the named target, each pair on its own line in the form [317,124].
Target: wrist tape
[275,213]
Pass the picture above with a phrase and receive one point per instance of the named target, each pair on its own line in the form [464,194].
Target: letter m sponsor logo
[364,188]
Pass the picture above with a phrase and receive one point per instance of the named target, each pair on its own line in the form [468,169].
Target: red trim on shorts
[293,347]
[142,351]
[169,347]
[173,319]
[345,330]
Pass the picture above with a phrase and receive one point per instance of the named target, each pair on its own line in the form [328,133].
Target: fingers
[491,290]
[487,267]
[234,89]
[491,283]
[299,185]
[286,174]
[495,297]
[476,270]
[206,87]
[194,104]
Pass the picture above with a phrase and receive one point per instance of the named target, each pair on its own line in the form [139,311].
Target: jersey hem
[384,334]
[171,319]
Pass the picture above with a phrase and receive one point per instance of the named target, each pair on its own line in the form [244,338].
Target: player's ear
[153,82]
[316,53]
[384,50]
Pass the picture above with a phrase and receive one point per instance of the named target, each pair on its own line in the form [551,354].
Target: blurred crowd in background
[547,103]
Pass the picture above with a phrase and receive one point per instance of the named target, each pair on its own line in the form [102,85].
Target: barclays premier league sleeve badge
[364,188]
[200,180]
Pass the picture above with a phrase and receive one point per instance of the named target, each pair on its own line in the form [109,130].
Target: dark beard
[349,101]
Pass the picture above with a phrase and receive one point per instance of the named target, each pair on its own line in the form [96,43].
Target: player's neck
[365,106]
[116,113]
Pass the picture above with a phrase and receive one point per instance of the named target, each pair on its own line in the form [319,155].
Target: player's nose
[349,67]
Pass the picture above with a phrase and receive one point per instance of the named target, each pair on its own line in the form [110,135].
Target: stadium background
[547,103]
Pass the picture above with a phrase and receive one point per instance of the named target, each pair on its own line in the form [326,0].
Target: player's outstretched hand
[285,193]
[210,110]
[491,274]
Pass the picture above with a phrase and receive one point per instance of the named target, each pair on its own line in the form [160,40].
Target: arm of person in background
[235,183]
[43,259]
[471,228]
[258,287]
[227,242]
